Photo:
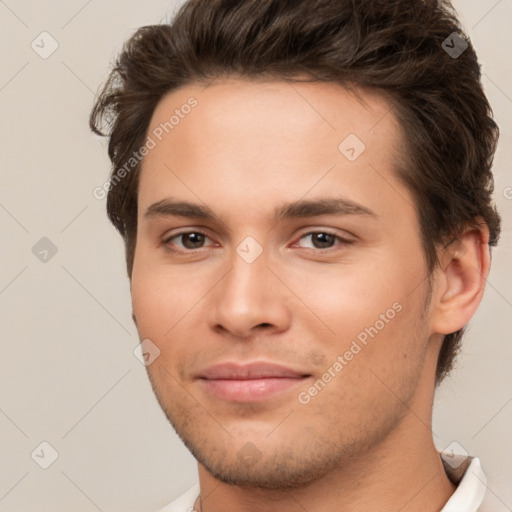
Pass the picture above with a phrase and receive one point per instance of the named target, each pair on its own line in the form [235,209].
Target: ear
[460,281]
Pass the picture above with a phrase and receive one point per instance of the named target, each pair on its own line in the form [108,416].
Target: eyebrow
[295,210]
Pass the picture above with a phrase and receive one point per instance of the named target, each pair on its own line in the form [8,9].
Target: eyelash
[341,240]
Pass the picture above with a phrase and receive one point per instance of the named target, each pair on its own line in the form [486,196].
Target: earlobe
[464,266]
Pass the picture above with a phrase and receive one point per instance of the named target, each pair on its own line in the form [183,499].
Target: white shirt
[466,474]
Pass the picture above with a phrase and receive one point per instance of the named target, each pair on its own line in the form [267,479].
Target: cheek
[152,299]
[371,367]
[158,308]
[166,301]
[366,315]
[348,298]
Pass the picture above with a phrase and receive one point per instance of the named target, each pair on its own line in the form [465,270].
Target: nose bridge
[249,294]
[248,281]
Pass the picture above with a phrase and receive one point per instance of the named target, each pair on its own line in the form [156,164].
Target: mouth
[250,382]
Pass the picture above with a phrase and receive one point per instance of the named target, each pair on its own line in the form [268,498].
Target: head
[245,107]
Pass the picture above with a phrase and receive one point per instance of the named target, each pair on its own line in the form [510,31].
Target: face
[288,299]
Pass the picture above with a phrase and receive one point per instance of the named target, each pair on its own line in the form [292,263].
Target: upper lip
[248,371]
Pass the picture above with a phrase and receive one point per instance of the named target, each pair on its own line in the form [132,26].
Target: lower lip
[250,390]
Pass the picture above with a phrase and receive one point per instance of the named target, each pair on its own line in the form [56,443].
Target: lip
[249,382]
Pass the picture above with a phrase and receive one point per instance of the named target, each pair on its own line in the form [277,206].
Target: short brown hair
[399,48]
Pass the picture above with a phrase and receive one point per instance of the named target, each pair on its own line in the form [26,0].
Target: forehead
[248,139]
[284,108]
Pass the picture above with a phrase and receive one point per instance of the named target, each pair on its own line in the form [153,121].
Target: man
[304,190]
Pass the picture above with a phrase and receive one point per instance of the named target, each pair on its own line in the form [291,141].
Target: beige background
[68,375]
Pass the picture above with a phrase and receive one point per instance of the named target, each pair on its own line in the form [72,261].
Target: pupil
[195,243]
[323,239]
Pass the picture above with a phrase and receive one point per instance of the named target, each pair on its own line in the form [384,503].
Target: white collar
[465,472]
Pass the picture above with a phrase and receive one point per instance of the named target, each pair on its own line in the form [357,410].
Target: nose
[250,298]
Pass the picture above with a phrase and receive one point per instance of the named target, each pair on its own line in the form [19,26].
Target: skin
[364,441]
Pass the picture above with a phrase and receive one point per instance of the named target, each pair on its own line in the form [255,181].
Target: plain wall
[68,375]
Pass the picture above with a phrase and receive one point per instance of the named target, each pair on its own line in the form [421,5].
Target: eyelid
[329,231]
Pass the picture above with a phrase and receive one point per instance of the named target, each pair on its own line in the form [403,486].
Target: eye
[194,240]
[190,240]
[323,240]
